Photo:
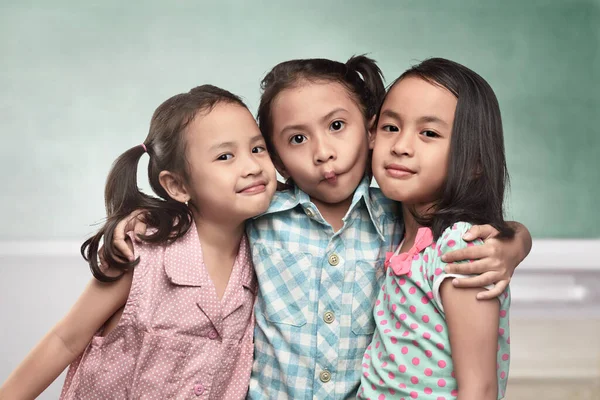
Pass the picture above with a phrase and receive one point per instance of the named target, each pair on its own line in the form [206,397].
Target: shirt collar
[377,205]
[376,210]
[184,262]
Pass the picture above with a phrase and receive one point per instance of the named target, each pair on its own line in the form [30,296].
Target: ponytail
[122,196]
[372,79]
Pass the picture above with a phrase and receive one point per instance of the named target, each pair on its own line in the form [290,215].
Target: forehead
[226,122]
[311,100]
[416,96]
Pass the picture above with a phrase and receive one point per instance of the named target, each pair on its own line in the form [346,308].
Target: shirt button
[310,213]
[329,317]
[334,259]
[198,389]
[325,376]
[213,335]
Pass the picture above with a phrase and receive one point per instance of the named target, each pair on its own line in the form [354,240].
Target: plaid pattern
[305,270]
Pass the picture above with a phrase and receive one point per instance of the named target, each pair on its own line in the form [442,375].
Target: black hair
[166,147]
[477,173]
[360,75]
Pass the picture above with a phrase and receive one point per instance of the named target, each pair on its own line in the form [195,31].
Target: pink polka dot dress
[410,355]
[176,339]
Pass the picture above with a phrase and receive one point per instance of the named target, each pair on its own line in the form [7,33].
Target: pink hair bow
[401,262]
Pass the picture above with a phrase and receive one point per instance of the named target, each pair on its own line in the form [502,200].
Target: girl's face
[231,176]
[412,141]
[320,136]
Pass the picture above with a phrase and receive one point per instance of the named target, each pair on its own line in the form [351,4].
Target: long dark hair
[166,147]
[360,75]
[477,173]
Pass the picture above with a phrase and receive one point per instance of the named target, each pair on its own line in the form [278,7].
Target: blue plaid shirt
[317,290]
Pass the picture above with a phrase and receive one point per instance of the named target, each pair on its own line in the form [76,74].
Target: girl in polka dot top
[178,321]
[438,148]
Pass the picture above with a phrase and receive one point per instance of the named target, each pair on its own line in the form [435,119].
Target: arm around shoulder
[67,339]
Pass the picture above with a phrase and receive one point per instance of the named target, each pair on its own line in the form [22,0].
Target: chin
[335,198]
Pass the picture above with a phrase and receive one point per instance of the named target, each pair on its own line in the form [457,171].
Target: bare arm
[495,261]
[67,339]
[473,332]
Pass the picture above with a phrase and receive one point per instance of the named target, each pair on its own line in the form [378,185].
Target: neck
[334,213]
[411,226]
[219,234]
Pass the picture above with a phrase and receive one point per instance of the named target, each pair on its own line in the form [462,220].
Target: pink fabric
[401,263]
[176,339]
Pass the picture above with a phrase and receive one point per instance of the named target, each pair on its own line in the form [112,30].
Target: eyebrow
[420,120]
[432,119]
[327,116]
[228,145]
[391,114]
[222,145]
[257,138]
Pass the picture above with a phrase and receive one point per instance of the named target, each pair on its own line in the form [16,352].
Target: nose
[251,165]
[403,145]
[323,150]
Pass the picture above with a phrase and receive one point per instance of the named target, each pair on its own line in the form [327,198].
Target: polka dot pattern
[176,338]
[414,358]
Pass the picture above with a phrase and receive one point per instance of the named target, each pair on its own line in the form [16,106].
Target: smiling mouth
[398,171]
[255,188]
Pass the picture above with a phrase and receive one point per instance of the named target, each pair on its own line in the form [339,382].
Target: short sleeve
[450,240]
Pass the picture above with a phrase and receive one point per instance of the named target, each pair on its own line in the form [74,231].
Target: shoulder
[451,239]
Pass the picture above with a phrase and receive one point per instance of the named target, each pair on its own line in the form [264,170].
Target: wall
[80,80]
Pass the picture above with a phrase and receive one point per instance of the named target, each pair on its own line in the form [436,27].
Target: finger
[124,249]
[472,268]
[139,229]
[101,258]
[120,230]
[118,240]
[480,232]
[493,293]
[468,253]
[474,281]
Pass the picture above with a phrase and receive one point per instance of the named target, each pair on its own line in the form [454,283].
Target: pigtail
[170,218]
[372,81]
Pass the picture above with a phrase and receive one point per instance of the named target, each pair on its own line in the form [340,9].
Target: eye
[390,128]
[337,125]
[297,139]
[258,149]
[429,134]
[225,157]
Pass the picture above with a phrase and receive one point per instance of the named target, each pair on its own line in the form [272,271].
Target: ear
[371,124]
[174,185]
[280,168]
[372,132]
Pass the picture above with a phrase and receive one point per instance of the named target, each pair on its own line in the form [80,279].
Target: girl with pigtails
[177,322]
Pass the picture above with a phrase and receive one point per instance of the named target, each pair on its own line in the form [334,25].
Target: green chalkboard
[80,80]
